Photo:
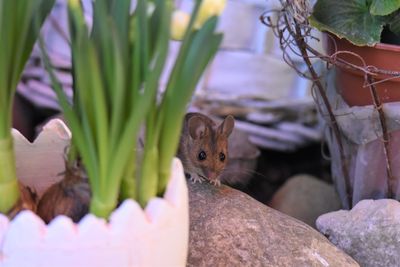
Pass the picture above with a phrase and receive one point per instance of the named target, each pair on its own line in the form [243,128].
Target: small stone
[229,228]
[304,197]
[370,232]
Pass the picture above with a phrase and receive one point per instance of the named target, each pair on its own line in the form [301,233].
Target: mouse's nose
[212,175]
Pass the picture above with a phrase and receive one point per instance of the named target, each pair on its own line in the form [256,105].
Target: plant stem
[385,135]
[301,44]
[129,180]
[147,187]
[9,189]
[102,206]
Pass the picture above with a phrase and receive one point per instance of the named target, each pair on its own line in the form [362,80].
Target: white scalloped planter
[156,236]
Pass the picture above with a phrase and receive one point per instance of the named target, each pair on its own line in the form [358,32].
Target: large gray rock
[229,228]
[304,197]
[370,232]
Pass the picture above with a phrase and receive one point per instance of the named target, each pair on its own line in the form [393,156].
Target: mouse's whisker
[243,171]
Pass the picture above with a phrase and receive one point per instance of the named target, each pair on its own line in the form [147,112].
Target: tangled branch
[291,26]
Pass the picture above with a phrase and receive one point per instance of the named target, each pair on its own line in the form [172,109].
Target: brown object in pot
[69,197]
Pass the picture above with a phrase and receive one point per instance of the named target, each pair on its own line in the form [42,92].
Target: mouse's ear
[197,127]
[227,125]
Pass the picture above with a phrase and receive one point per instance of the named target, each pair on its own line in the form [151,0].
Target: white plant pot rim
[155,236]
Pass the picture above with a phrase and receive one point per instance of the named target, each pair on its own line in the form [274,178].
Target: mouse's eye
[221,156]
[202,155]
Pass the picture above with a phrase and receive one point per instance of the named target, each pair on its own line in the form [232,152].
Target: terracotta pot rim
[389,47]
[380,46]
[387,52]
[382,56]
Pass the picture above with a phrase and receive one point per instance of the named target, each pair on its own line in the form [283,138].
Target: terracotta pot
[155,236]
[350,83]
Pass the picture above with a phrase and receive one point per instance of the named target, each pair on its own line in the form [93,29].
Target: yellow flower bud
[180,22]
[208,9]
[74,3]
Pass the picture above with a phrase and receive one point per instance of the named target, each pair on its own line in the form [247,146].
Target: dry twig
[294,32]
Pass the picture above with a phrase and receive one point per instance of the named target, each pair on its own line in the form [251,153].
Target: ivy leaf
[384,7]
[350,19]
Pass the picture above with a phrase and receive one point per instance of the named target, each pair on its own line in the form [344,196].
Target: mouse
[203,147]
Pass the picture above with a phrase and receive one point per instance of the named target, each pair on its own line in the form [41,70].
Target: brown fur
[200,133]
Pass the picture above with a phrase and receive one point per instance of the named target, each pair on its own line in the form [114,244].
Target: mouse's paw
[194,178]
[216,182]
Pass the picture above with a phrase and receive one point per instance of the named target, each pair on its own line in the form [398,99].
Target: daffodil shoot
[20,22]
[117,67]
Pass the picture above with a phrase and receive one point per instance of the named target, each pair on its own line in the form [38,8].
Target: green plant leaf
[202,46]
[350,19]
[384,7]
[20,23]
[116,75]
